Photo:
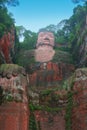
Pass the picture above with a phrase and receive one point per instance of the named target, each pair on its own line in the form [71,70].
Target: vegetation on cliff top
[66,36]
[6,19]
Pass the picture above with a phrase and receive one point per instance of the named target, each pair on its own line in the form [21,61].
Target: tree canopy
[9,2]
[6,19]
[77,1]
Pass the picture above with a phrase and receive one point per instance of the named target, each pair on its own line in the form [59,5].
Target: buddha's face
[46,38]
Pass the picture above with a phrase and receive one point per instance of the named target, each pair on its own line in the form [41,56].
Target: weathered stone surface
[14,111]
[50,121]
[46,92]
[79,112]
[44,48]
[49,104]
[45,37]
[7,46]
[44,54]
[53,98]
[14,116]
[50,73]
[13,86]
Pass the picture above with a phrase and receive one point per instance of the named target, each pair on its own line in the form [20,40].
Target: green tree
[6,20]
[30,39]
[77,1]
[9,2]
[27,38]
[20,31]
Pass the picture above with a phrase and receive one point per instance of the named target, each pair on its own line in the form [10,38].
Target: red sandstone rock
[79,112]
[44,48]
[6,44]
[51,73]
[14,111]
[46,38]
[14,116]
[50,121]
[44,54]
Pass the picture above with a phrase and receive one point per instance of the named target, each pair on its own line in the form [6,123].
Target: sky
[37,14]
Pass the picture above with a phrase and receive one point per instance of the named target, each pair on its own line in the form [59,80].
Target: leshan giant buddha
[44,47]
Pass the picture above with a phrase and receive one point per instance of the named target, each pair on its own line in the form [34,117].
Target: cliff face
[79,111]
[13,98]
[48,98]
[52,108]
[48,91]
[57,92]
[7,46]
[49,120]
[51,74]
[62,109]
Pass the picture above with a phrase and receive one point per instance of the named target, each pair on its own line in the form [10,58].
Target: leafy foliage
[6,20]
[9,2]
[77,1]
[69,111]
[27,38]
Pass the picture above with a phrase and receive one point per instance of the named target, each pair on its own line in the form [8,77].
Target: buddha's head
[45,38]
